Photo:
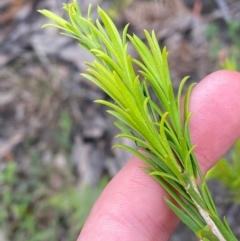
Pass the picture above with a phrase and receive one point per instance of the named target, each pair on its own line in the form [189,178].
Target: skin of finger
[132,207]
[215,124]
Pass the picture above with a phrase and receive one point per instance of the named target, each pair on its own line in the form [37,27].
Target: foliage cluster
[155,126]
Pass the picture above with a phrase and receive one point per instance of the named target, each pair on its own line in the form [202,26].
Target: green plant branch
[156,127]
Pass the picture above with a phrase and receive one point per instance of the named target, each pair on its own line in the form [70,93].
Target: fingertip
[215,123]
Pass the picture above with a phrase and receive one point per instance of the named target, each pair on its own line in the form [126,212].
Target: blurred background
[55,143]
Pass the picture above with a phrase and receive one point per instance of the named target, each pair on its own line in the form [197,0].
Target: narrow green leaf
[157,56]
[140,142]
[165,175]
[187,100]
[227,226]
[77,8]
[124,35]
[122,127]
[174,114]
[185,219]
[108,60]
[54,17]
[145,55]
[137,154]
[127,66]
[151,103]
[112,32]
[180,89]
[103,38]
[222,228]
[89,11]
[189,165]
[208,199]
[172,162]
[125,119]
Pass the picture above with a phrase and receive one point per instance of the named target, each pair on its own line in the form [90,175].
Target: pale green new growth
[155,127]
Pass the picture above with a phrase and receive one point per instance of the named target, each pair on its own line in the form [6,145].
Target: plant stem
[205,214]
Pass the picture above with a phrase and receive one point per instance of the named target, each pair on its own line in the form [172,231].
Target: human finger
[132,206]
